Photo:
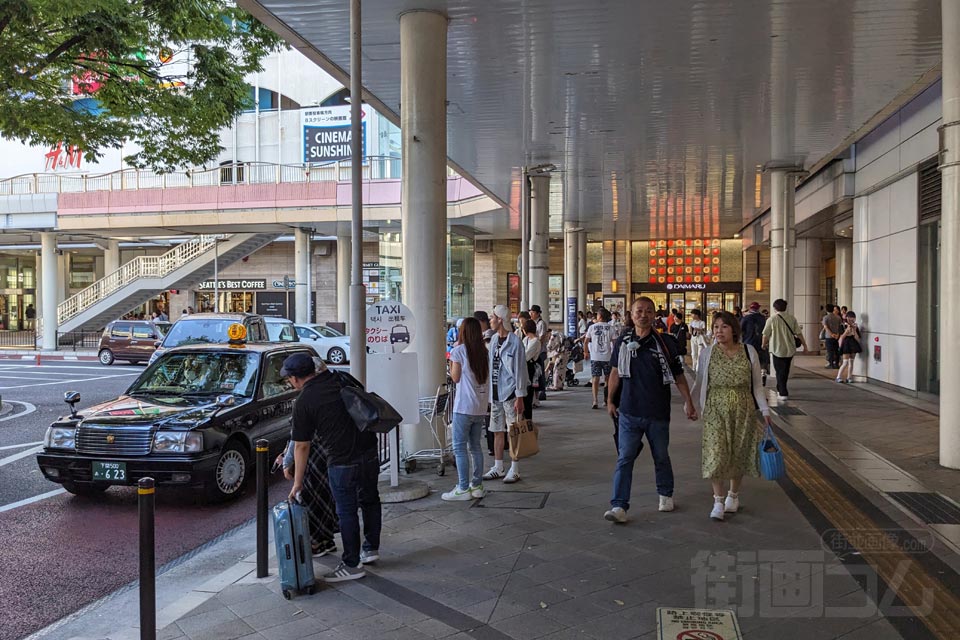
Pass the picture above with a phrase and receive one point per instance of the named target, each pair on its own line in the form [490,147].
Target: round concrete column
[844,260]
[51,285]
[343,279]
[423,130]
[571,273]
[778,203]
[950,240]
[301,266]
[806,295]
[582,271]
[540,244]
[111,257]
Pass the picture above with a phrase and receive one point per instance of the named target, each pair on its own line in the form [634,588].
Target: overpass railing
[374,168]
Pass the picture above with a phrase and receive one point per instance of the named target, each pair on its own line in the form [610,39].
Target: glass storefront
[17,291]
[460,267]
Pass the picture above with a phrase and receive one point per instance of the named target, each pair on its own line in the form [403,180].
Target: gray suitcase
[291,533]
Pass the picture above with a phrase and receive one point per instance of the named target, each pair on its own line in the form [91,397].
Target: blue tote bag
[771,457]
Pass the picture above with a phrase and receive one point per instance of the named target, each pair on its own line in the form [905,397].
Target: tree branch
[56,53]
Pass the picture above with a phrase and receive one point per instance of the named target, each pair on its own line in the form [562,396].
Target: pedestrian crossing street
[24,375]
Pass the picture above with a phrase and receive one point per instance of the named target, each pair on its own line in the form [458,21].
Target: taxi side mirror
[226,400]
[72,398]
[156,344]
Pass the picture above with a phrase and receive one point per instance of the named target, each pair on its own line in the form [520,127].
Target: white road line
[28,374]
[20,446]
[19,456]
[54,366]
[27,409]
[26,501]
[44,384]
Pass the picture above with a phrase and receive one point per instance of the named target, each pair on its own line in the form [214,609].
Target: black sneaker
[323,548]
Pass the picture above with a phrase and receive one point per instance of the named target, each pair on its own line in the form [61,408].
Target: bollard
[38,359]
[148,587]
[263,451]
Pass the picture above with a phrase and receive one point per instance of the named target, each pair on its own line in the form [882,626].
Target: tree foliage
[92,73]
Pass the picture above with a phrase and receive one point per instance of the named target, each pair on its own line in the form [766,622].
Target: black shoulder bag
[369,411]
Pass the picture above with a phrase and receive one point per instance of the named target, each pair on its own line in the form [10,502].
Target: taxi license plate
[114,471]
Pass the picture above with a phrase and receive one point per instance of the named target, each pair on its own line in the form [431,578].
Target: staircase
[144,277]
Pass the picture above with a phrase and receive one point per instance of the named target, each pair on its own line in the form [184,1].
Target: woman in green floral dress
[729,389]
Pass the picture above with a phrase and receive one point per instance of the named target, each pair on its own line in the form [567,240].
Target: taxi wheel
[84,489]
[230,473]
[336,355]
[106,356]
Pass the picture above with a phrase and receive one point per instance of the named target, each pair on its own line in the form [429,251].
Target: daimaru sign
[326,133]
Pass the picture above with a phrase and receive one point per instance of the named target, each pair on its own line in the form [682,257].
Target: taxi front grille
[126,441]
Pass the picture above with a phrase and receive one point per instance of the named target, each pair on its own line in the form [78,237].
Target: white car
[333,346]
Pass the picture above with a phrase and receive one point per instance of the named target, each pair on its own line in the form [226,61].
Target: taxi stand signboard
[391,327]
[392,374]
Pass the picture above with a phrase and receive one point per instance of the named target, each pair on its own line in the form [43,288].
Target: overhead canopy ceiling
[657,113]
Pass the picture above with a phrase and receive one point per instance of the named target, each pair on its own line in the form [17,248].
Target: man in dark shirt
[352,464]
[645,364]
[751,333]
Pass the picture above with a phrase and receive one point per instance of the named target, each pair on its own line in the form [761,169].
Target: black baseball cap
[536,308]
[299,364]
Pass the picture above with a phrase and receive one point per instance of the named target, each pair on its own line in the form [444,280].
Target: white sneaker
[511,477]
[666,503]
[717,513]
[477,492]
[493,474]
[457,494]
[782,398]
[732,503]
[616,514]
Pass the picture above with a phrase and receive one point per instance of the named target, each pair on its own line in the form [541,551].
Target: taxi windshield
[205,331]
[205,373]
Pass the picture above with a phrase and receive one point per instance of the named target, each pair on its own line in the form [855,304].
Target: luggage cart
[437,410]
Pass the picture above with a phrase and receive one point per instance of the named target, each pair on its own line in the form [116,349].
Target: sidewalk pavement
[31,354]
[537,560]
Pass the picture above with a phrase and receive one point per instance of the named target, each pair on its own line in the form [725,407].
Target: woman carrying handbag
[730,394]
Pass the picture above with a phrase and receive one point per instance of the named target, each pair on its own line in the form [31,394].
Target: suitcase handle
[286,549]
[303,555]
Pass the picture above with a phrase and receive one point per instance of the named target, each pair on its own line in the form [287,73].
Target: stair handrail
[139,267]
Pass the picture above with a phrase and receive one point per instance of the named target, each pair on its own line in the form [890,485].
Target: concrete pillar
[540,244]
[806,295]
[301,267]
[789,242]
[950,240]
[111,257]
[423,130]
[782,236]
[571,273]
[582,271]
[844,273]
[51,285]
[343,279]
[63,269]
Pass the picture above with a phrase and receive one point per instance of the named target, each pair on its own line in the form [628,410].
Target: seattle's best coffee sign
[234,285]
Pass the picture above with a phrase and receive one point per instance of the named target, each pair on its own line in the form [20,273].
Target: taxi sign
[237,332]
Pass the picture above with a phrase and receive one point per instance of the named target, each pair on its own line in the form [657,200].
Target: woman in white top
[698,336]
[532,347]
[469,369]
[730,393]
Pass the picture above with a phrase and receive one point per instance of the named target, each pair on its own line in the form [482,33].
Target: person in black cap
[352,464]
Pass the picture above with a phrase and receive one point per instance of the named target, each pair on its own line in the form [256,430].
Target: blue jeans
[632,431]
[466,437]
[355,486]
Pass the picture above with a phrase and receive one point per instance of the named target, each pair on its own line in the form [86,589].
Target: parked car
[209,328]
[333,346]
[130,340]
[190,419]
[281,330]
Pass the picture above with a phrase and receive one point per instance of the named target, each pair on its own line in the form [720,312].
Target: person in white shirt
[698,336]
[532,348]
[470,370]
[599,343]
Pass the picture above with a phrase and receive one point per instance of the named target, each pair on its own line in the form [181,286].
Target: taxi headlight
[177,442]
[60,438]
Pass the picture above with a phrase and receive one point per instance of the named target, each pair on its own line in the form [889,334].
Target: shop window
[83,271]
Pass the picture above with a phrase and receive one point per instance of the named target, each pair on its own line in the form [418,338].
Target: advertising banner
[326,133]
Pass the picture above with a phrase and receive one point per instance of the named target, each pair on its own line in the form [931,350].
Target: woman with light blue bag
[729,391]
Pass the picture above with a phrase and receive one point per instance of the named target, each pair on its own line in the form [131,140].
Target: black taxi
[190,420]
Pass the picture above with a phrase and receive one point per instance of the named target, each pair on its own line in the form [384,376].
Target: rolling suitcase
[291,533]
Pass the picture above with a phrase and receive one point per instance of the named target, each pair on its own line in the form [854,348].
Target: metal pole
[524,240]
[358,316]
[263,450]
[309,278]
[148,587]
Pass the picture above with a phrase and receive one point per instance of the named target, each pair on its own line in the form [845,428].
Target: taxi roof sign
[237,332]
